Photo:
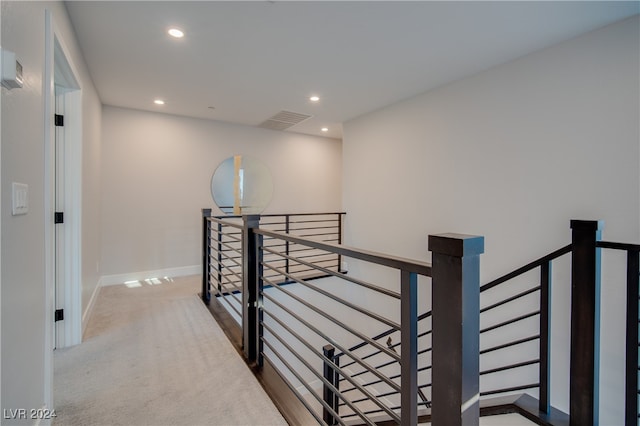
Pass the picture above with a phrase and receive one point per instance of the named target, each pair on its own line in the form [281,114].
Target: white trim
[71,291]
[180,271]
[49,207]
[89,309]
[72,228]
[65,71]
[1,405]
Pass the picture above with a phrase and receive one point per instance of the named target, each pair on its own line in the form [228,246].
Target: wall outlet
[19,198]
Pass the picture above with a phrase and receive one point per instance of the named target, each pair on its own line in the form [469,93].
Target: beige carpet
[153,355]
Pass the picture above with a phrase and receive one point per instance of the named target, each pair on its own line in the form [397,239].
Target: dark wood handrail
[414,266]
[619,246]
[281,214]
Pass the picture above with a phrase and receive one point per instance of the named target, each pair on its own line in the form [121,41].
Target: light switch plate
[19,198]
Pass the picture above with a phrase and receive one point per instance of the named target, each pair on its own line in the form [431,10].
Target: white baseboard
[180,271]
[92,301]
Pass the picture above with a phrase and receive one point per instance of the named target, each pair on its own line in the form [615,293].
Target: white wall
[157,171]
[513,154]
[24,376]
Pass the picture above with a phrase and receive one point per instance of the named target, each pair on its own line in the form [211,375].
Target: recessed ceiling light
[158,102]
[325,129]
[174,32]
[314,98]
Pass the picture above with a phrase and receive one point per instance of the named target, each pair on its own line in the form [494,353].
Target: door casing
[59,70]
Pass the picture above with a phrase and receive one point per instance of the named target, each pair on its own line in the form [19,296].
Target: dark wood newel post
[456,329]
[206,238]
[249,287]
[409,348]
[219,238]
[633,280]
[585,323]
[328,395]
[544,370]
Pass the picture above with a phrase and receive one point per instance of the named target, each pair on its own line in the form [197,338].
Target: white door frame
[49,209]
[1,405]
[69,259]
[68,254]
[60,70]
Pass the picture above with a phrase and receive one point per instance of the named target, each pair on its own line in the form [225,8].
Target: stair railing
[632,341]
[285,327]
[585,266]
[534,300]
[222,251]
[363,377]
[282,330]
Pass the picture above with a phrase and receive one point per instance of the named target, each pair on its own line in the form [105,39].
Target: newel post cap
[457,245]
[587,225]
[251,220]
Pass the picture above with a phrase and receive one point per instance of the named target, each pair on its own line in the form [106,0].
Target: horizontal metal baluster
[509,322]
[318,354]
[361,283]
[510,299]
[331,341]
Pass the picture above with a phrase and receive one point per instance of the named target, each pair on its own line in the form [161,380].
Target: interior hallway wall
[24,384]
[513,154]
[157,171]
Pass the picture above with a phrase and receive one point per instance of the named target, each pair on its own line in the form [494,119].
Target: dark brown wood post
[456,329]
[206,264]
[287,220]
[329,395]
[219,238]
[544,404]
[259,314]
[339,268]
[249,280]
[409,348]
[631,404]
[585,323]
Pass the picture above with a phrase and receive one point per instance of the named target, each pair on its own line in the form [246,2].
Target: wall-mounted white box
[19,198]
[11,70]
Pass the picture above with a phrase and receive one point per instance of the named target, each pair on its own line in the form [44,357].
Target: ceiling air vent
[283,120]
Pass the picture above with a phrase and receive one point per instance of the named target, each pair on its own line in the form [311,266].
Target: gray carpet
[153,355]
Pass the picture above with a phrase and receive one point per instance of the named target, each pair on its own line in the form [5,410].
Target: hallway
[153,355]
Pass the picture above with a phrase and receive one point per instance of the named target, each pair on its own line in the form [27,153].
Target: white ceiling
[251,60]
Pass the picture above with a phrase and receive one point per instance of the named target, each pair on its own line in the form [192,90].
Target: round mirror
[241,185]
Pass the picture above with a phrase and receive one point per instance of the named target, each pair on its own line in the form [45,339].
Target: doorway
[67,177]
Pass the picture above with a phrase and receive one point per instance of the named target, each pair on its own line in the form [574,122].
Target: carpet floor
[153,355]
